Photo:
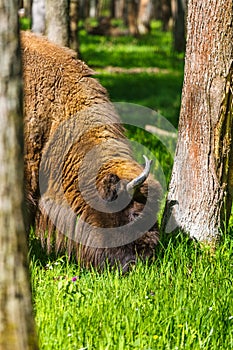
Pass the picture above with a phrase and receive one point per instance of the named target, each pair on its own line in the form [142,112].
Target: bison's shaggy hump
[78,163]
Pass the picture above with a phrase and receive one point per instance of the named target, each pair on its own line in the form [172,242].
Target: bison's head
[99,197]
[119,222]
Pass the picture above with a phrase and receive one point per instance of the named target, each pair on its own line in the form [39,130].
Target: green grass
[160,91]
[182,301]
[153,50]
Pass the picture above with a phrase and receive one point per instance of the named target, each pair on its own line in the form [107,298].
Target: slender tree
[119,8]
[27,4]
[178,8]
[132,15]
[144,16]
[165,14]
[16,318]
[201,189]
[74,17]
[38,16]
[57,21]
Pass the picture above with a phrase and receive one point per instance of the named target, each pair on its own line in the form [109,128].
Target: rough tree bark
[201,189]
[57,21]
[16,319]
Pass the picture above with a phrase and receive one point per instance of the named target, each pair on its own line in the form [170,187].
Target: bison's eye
[109,189]
[112,188]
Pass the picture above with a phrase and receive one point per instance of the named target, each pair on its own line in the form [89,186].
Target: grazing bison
[85,192]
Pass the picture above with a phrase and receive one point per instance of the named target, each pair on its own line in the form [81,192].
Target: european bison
[86,194]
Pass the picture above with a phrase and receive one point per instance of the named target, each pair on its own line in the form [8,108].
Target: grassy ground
[184,300]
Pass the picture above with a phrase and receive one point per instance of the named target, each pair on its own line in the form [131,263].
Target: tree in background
[178,8]
[132,15]
[62,18]
[165,14]
[201,188]
[118,8]
[57,21]
[38,16]
[16,318]
[144,16]
[73,25]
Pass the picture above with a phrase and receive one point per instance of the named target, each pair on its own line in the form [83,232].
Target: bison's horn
[138,181]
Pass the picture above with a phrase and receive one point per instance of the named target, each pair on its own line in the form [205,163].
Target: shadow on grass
[152,50]
[160,92]
[141,57]
[39,253]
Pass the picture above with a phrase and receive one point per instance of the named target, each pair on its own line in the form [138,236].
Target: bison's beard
[62,231]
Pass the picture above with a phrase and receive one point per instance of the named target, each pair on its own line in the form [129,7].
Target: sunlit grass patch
[183,300]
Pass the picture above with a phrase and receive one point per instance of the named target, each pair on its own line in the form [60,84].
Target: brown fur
[67,116]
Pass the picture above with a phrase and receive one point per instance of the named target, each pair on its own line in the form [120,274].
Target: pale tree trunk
[144,16]
[119,8]
[93,9]
[38,16]
[201,188]
[16,318]
[57,21]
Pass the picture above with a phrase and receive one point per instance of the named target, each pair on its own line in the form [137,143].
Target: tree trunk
[83,9]
[132,15]
[27,4]
[119,8]
[144,16]
[166,14]
[57,21]
[16,319]
[112,9]
[201,189]
[178,8]
[38,16]
[73,38]
[93,9]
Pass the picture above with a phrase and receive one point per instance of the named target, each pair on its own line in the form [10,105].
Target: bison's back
[56,87]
